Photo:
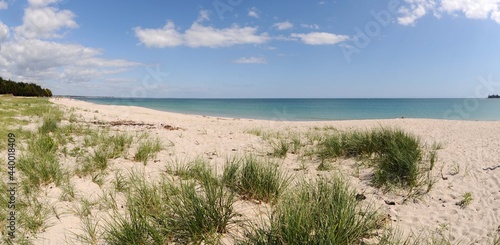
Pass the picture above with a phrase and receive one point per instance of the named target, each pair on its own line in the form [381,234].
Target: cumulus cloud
[35,60]
[250,60]
[253,12]
[320,38]
[412,13]
[204,15]
[43,21]
[41,3]
[27,57]
[199,36]
[312,26]
[167,36]
[3,5]
[4,32]
[478,9]
[206,36]
[283,25]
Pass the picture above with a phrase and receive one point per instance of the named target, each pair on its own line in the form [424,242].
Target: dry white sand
[469,147]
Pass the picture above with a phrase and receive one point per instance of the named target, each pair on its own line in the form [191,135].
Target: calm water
[321,109]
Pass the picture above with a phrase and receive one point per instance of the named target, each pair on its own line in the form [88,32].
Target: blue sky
[254,49]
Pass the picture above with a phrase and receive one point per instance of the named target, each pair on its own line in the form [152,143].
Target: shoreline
[277,120]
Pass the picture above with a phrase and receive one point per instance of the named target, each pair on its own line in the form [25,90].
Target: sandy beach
[467,163]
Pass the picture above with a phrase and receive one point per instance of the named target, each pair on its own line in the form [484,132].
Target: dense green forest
[23,89]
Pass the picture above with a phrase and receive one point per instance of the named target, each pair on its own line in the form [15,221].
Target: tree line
[23,89]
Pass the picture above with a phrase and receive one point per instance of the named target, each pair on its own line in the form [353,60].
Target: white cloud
[253,13]
[283,25]
[204,15]
[41,21]
[320,38]
[411,14]
[250,60]
[199,36]
[36,60]
[205,36]
[312,26]
[496,16]
[3,5]
[4,32]
[477,9]
[160,38]
[41,3]
[28,58]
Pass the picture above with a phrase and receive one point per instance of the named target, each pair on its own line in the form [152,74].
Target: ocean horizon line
[263,98]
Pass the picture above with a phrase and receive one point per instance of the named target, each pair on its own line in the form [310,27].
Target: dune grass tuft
[50,125]
[281,148]
[256,179]
[396,155]
[105,147]
[199,214]
[120,144]
[195,170]
[40,164]
[40,170]
[147,150]
[322,212]
[144,221]
[184,211]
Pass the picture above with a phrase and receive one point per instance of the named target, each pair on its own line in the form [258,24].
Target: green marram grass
[321,212]
[40,164]
[147,209]
[105,146]
[256,178]
[148,149]
[396,155]
[183,211]
[194,170]
[201,214]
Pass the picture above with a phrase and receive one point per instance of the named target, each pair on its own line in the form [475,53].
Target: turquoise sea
[320,109]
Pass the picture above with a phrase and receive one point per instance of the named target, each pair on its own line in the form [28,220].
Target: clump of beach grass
[466,200]
[40,165]
[320,212]
[256,178]
[146,212]
[194,170]
[183,211]
[202,214]
[50,124]
[35,214]
[105,146]
[255,131]
[95,162]
[120,144]
[40,171]
[396,155]
[148,149]
[399,157]
[281,148]
[90,233]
